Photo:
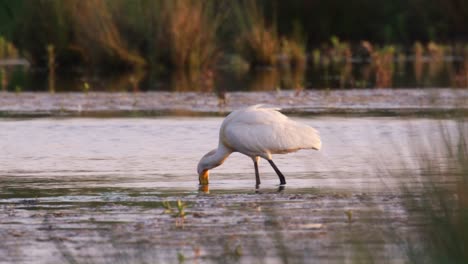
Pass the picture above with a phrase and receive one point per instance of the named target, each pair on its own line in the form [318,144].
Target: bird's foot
[281,188]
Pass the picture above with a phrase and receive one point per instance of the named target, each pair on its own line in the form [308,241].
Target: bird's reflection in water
[280,189]
[205,189]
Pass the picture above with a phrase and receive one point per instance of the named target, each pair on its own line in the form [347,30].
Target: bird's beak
[204,189]
[203,177]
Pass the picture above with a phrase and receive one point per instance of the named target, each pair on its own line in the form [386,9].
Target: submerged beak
[203,177]
[204,189]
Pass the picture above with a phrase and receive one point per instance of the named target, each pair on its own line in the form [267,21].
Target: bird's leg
[280,175]
[257,174]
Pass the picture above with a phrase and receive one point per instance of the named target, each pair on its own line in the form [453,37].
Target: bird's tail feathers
[315,140]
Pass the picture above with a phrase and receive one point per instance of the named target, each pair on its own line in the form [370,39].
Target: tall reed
[341,55]
[418,50]
[437,56]
[7,49]
[259,42]
[187,33]
[460,77]
[51,67]
[92,16]
[294,47]
[443,201]
[382,63]
[339,51]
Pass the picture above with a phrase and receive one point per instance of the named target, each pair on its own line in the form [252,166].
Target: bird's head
[211,160]
[203,168]
[203,177]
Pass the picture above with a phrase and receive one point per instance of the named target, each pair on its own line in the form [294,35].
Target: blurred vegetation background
[194,33]
[201,45]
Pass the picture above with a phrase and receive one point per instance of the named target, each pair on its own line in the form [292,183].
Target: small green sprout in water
[349,214]
[170,210]
[181,209]
[180,257]
[238,251]
[167,206]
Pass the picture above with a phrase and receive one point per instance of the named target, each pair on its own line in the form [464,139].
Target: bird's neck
[219,156]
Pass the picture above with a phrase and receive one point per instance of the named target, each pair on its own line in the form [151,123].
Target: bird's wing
[265,131]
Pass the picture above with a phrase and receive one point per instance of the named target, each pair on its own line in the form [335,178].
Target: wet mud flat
[389,101]
[139,225]
[107,190]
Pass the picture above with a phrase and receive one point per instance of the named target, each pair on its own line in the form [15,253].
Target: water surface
[91,190]
[164,152]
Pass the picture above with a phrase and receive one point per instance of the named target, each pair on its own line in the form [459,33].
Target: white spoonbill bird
[258,132]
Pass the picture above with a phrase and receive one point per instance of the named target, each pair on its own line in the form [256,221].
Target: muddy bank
[383,101]
[134,226]
[89,190]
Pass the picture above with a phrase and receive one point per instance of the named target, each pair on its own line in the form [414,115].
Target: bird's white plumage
[262,131]
[258,131]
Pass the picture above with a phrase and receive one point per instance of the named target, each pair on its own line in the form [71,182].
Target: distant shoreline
[153,104]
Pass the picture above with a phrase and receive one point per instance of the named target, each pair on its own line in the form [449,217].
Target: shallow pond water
[91,190]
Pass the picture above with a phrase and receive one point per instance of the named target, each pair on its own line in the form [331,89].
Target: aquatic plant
[169,209]
[18,89]
[401,62]
[184,81]
[438,198]
[437,56]
[238,64]
[51,67]
[82,32]
[86,87]
[461,76]
[346,72]
[382,64]
[446,209]
[293,78]
[418,50]
[339,56]
[180,209]
[265,80]
[2,49]
[316,54]
[7,49]
[3,79]
[259,42]
[294,47]
[340,51]
[187,33]
[11,51]
[349,215]
[91,16]
[51,57]
[180,257]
